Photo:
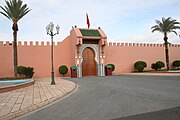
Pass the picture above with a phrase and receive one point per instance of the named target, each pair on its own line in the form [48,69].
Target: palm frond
[9,8]
[157,29]
[167,25]
[5,13]
[174,32]
[24,13]
[15,9]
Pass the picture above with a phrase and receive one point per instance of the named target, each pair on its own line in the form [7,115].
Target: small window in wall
[90,41]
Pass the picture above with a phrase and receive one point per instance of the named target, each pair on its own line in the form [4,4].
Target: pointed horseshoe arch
[92,49]
[88,63]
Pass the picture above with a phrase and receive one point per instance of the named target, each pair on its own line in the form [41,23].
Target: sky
[122,20]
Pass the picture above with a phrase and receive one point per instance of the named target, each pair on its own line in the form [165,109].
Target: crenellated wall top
[109,44]
[29,43]
[114,44]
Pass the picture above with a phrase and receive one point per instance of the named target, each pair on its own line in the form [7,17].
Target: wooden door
[88,64]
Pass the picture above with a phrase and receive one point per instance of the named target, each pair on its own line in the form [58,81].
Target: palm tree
[166,26]
[14,10]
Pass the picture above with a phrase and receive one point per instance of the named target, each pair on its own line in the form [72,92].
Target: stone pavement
[21,101]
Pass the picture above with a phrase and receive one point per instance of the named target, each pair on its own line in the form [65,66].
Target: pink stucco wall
[124,55]
[36,56]
[6,60]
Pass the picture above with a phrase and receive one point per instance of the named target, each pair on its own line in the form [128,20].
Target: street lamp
[49,30]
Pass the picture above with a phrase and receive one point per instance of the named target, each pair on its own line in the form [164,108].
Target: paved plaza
[22,101]
[123,97]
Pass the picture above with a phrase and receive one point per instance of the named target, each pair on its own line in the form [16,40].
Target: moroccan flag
[87,18]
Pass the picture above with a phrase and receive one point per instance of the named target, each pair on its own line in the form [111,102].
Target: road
[117,98]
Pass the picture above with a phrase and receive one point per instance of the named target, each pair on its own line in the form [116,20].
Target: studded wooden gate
[88,64]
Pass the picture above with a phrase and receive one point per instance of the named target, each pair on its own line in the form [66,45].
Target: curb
[151,74]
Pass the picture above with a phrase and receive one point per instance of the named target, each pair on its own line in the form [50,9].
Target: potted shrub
[108,69]
[73,68]
[112,65]
[73,71]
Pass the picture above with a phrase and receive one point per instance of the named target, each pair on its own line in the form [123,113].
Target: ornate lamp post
[49,30]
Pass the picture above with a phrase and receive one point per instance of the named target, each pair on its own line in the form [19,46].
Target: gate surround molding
[99,66]
[94,47]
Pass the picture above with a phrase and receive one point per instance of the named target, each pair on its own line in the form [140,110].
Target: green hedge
[21,70]
[28,72]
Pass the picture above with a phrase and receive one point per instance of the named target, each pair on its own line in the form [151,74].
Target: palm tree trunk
[15,29]
[166,50]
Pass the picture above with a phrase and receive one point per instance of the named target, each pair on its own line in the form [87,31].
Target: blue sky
[121,20]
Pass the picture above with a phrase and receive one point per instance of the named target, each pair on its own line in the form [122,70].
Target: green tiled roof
[90,33]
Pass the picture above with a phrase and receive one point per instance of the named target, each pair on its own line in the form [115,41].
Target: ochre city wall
[123,55]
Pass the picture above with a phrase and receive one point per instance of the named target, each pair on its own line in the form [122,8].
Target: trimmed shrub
[160,64]
[112,65]
[21,70]
[140,65]
[157,65]
[27,71]
[176,63]
[63,69]
[154,66]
